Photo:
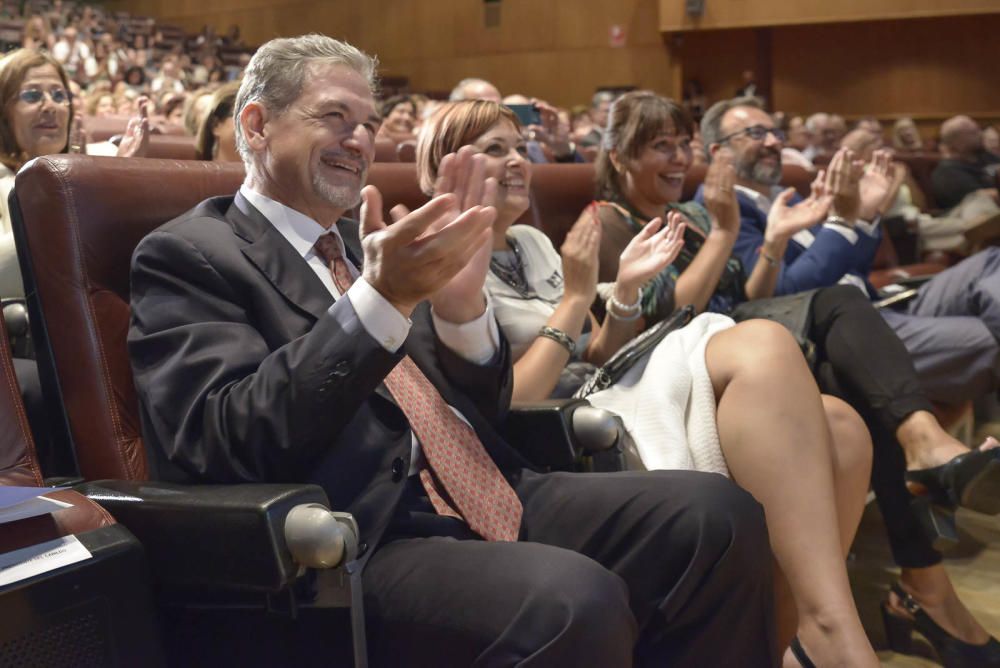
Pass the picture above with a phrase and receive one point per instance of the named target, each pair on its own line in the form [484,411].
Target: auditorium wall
[927,68]
[759,13]
[561,49]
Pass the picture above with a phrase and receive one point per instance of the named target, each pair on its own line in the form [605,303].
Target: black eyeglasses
[35,95]
[757,133]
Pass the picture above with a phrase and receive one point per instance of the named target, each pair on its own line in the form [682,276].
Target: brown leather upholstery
[385,150]
[397,181]
[105,127]
[171,147]
[18,464]
[83,216]
[407,151]
[559,192]
[19,468]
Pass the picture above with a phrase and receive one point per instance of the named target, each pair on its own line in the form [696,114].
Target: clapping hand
[720,196]
[784,220]
[441,250]
[579,253]
[875,184]
[650,251]
[135,143]
[843,177]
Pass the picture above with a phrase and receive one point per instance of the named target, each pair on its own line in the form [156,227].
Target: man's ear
[252,119]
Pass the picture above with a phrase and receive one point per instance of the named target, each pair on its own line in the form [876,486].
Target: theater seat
[77,220]
[96,612]
[173,147]
[385,150]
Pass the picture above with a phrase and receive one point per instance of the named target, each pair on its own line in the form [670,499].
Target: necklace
[513,274]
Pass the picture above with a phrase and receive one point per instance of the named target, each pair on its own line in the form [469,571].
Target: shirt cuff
[846,232]
[381,320]
[476,341]
[867,228]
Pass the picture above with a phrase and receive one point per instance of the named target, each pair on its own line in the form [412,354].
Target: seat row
[215,552]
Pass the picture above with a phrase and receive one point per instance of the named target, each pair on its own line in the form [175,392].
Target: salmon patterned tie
[478,492]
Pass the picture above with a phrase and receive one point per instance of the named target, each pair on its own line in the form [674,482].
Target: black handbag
[792,311]
[623,360]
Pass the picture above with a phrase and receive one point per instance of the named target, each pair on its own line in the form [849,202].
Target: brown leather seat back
[78,219]
[18,464]
[397,181]
[19,468]
[385,150]
[171,147]
[560,193]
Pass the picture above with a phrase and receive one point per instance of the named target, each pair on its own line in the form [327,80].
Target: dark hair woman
[640,172]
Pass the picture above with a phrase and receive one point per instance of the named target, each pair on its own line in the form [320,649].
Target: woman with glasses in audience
[710,396]
[640,174]
[37,118]
[216,140]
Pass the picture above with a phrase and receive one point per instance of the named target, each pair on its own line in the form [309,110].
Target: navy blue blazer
[821,264]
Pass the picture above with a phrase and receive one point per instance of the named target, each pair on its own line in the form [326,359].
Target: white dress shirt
[476,341]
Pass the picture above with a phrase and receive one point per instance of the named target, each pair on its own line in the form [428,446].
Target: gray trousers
[951,329]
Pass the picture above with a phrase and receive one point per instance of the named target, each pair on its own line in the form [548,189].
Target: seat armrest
[228,537]
[558,433]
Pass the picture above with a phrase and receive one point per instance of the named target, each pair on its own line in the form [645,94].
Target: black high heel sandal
[970,480]
[954,653]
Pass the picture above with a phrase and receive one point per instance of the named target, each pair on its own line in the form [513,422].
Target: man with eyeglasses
[950,329]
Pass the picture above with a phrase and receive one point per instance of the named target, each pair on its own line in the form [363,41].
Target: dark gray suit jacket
[244,372]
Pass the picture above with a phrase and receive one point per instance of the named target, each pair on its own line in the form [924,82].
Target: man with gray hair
[600,106]
[273,339]
[951,329]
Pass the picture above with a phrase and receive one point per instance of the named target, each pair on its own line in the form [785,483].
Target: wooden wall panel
[927,68]
[558,49]
[744,14]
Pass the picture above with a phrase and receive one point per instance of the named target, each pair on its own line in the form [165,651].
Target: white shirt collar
[300,230]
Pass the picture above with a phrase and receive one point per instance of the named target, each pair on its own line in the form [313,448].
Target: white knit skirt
[667,402]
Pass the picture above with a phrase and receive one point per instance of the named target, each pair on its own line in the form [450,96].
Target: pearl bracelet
[626,308]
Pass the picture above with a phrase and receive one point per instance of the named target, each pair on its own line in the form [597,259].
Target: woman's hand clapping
[650,251]
[720,196]
[580,257]
[135,143]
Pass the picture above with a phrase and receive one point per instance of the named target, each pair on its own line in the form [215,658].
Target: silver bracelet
[626,308]
[559,336]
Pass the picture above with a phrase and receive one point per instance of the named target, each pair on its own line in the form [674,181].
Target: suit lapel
[284,267]
[278,260]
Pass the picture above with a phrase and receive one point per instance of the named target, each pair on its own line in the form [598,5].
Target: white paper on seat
[50,555]
[18,503]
